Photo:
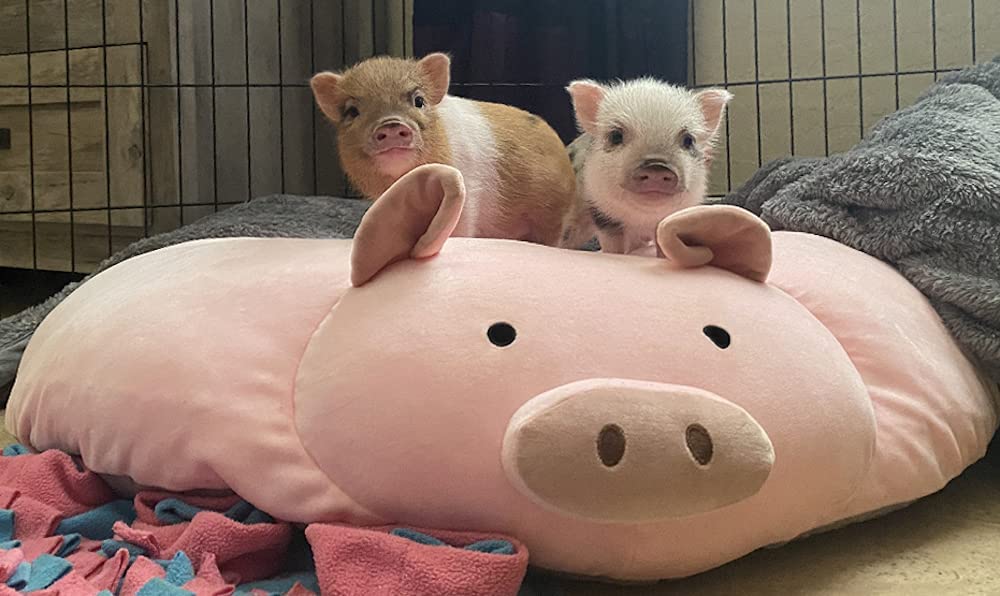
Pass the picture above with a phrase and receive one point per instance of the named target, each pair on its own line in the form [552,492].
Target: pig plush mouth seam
[749,388]
[644,152]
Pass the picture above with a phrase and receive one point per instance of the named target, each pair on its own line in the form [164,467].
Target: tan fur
[536,177]
[537,183]
[379,86]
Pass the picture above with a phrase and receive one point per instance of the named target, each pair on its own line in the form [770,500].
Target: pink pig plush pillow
[625,417]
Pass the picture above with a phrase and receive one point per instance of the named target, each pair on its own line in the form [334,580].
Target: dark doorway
[525,52]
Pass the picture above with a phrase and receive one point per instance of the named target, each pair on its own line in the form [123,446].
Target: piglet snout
[392,135]
[617,450]
[653,177]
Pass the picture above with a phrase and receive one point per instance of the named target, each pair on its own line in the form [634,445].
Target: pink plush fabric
[258,367]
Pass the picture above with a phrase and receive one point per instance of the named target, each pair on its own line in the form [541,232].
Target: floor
[948,543]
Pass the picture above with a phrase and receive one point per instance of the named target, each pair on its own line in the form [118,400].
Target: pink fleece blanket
[64,532]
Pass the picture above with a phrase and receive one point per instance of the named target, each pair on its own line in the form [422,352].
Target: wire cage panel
[124,118]
[811,77]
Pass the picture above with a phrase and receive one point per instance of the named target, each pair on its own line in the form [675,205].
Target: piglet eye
[687,141]
[616,137]
[418,101]
[351,112]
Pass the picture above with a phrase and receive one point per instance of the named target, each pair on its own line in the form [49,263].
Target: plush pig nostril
[699,444]
[611,445]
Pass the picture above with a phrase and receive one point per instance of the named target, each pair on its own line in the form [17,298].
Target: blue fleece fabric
[16,449]
[175,511]
[161,587]
[6,524]
[495,547]
[96,524]
[39,574]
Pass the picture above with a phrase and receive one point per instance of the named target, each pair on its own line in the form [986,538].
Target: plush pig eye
[418,101]
[616,137]
[718,335]
[687,141]
[351,112]
[501,334]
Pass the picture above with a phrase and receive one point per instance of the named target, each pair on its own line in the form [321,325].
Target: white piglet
[644,152]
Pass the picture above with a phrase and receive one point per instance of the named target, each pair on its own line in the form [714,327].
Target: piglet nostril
[404,132]
[699,444]
[611,445]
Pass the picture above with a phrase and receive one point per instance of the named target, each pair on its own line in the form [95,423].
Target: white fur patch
[474,152]
[653,117]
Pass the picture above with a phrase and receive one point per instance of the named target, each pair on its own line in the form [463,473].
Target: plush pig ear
[325,87]
[713,104]
[436,68]
[412,219]
[587,97]
[723,236]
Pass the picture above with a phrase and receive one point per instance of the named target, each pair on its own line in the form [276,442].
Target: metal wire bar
[69,137]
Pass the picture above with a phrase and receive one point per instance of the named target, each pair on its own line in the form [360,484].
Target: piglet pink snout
[617,450]
[653,177]
[392,135]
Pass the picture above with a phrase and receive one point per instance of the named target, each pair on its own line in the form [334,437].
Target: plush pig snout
[617,450]
[653,177]
[392,135]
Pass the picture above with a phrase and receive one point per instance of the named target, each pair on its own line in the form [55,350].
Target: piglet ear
[723,236]
[436,69]
[587,97]
[326,90]
[713,104]
[412,219]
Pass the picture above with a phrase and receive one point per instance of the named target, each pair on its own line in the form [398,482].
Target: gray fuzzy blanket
[272,216]
[921,193]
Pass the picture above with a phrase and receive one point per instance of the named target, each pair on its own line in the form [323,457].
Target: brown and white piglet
[645,152]
[392,115]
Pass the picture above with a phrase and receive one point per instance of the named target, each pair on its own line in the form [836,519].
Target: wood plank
[159,35]
[231,130]
[162,140]
[772,40]
[265,142]
[197,130]
[196,49]
[807,46]
[48,28]
[296,42]
[123,21]
[262,29]
[739,41]
[125,150]
[53,242]
[953,21]
[329,54]
[298,137]
[841,20]
[359,34]
[230,54]
[85,23]
[744,159]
